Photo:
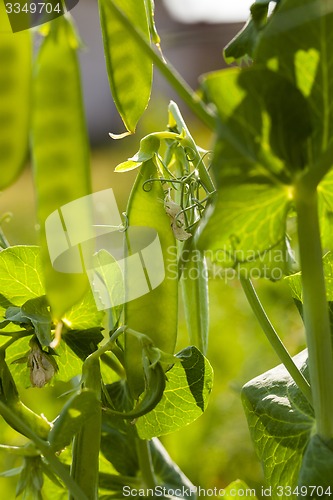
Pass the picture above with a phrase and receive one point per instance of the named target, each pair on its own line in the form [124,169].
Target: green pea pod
[129,69]
[9,396]
[60,152]
[154,313]
[194,285]
[15,79]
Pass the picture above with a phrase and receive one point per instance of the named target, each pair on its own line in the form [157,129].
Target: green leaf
[297,37]
[188,386]
[83,342]
[15,82]
[20,276]
[12,472]
[244,43]
[317,466]
[325,209]
[74,414]
[129,68]
[167,471]
[246,229]
[84,314]
[281,423]
[295,280]
[33,313]
[38,312]
[119,447]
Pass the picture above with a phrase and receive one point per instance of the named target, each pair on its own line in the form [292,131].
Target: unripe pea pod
[155,313]
[60,155]
[15,79]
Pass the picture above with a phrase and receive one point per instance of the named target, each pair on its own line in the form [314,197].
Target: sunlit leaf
[188,386]
[281,423]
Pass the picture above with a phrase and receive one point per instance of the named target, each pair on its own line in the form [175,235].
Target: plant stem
[315,309]
[145,463]
[59,468]
[314,175]
[181,125]
[274,338]
[190,97]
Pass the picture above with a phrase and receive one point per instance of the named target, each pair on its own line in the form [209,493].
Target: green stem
[59,468]
[274,338]
[190,97]
[86,445]
[315,309]
[145,463]
[317,172]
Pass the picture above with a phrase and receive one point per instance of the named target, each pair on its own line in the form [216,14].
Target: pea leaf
[281,423]
[254,194]
[244,43]
[185,397]
[295,280]
[20,276]
[15,82]
[83,342]
[167,471]
[38,312]
[317,466]
[325,208]
[296,38]
[118,447]
[84,314]
[129,68]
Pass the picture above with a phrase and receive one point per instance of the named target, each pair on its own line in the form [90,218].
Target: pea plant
[262,201]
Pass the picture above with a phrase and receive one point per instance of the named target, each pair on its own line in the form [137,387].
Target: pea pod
[154,313]
[129,69]
[9,396]
[60,154]
[15,79]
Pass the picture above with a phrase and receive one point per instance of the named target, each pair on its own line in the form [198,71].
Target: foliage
[271,168]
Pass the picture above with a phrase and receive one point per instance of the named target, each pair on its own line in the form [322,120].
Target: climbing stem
[58,468]
[274,338]
[315,309]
